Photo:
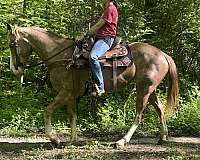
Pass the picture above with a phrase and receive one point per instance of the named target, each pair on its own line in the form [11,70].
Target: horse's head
[20,49]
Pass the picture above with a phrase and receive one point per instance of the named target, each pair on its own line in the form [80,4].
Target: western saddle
[118,56]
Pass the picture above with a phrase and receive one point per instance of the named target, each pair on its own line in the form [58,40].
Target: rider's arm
[93,29]
[97,26]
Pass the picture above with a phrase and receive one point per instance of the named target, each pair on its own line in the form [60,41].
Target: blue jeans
[99,49]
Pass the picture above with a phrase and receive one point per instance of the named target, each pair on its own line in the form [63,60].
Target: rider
[105,31]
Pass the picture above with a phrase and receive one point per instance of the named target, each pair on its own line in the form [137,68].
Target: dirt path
[39,148]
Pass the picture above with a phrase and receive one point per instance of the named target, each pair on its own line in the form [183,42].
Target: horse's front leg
[59,101]
[143,93]
[71,109]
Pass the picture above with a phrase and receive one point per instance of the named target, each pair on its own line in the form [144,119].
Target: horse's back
[146,53]
[145,48]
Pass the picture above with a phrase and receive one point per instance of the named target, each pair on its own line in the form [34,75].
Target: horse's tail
[173,87]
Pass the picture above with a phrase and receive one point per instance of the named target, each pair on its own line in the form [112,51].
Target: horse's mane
[44,30]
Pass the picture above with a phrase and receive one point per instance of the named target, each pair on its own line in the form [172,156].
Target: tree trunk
[24,7]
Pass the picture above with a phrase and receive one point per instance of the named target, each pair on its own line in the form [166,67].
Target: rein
[46,60]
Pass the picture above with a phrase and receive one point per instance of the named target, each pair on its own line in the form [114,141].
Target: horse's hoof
[119,143]
[55,141]
[75,143]
[161,142]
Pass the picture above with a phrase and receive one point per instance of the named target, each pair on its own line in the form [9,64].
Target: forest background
[173,26]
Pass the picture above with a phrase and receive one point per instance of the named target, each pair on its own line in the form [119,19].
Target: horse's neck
[47,44]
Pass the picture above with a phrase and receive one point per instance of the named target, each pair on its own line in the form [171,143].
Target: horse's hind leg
[154,100]
[143,93]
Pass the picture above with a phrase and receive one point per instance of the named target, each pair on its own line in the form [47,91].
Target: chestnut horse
[150,67]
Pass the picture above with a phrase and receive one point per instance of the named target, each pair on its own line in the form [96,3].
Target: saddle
[118,56]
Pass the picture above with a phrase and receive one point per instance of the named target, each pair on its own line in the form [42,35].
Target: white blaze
[12,68]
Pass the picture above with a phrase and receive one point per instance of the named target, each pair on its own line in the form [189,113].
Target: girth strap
[115,73]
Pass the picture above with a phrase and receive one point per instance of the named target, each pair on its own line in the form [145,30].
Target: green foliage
[22,107]
[114,114]
[186,120]
[175,28]
[172,26]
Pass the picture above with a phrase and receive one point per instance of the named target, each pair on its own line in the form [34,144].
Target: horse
[150,66]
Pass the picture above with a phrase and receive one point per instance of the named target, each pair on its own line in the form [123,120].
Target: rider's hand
[80,37]
[84,35]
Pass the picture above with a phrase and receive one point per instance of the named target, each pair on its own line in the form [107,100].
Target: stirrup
[96,92]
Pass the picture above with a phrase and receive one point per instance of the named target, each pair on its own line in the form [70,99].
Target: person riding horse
[105,32]
[149,67]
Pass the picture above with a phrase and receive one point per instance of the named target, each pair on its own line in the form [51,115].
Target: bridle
[14,46]
[54,55]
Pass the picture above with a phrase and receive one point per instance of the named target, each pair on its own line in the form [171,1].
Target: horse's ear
[9,27]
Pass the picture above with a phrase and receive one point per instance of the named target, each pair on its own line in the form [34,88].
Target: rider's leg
[98,50]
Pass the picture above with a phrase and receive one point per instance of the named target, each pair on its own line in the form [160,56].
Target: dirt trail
[37,147]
